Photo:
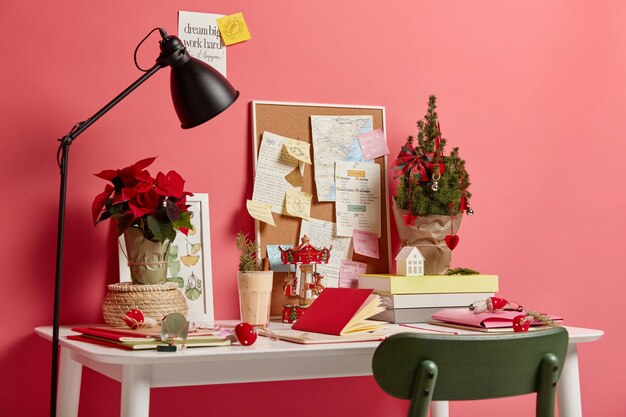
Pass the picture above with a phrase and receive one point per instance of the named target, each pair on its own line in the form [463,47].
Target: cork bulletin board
[293,120]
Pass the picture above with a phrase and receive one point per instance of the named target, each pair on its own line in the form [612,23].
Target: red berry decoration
[521,323]
[133,319]
[246,335]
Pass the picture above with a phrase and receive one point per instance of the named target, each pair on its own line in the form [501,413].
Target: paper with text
[260,211]
[233,28]
[365,243]
[298,149]
[322,233]
[200,35]
[373,144]
[298,203]
[358,197]
[273,164]
[349,273]
[335,139]
[273,255]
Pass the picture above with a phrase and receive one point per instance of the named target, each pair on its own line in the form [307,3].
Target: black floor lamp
[199,93]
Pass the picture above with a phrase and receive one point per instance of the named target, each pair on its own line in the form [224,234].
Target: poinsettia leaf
[173,212]
[144,163]
[155,228]
[105,215]
[123,223]
[107,174]
[183,221]
[99,201]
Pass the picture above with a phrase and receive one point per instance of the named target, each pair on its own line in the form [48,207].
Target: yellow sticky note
[298,149]
[298,203]
[233,28]
[260,211]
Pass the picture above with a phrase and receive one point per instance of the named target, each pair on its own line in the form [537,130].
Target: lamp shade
[199,92]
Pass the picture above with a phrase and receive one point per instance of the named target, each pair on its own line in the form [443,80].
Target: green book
[429,284]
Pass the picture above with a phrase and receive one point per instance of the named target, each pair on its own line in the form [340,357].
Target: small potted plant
[432,193]
[148,212]
[254,282]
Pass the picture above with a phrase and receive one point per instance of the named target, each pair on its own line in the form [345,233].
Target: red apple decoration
[246,335]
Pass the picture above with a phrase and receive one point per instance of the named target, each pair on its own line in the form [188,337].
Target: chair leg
[548,377]
[423,386]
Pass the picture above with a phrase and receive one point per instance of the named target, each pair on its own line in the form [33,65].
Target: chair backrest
[425,367]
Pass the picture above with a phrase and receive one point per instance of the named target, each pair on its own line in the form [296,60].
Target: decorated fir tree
[430,181]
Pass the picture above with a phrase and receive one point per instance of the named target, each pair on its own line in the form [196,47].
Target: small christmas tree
[431,182]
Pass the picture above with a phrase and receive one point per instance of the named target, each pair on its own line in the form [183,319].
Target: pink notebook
[484,320]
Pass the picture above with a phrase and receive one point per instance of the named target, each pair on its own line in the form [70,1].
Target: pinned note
[298,203]
[298,149]
[373,144]
[349,273]
[233,28]
[365,243]
[273,254]
[260,211]
[295,177]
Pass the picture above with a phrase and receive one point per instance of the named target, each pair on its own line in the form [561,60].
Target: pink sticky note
[365,243]
[373,144]
[349,272]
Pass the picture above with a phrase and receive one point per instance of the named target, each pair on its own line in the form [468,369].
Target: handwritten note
[260,211]
[358,197]
[322,233]
[365,243]
[273,254]
[200,34]
[298,149]
[233,28]
[373,144]
[273,164]
[349,273]
[298,203]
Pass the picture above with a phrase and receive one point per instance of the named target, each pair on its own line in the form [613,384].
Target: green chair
[424,367]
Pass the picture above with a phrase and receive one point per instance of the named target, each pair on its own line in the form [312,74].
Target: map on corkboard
[300,189]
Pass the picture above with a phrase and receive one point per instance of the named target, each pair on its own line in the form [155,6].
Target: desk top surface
[263,347]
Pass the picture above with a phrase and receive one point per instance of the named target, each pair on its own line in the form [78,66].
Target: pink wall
[533,93]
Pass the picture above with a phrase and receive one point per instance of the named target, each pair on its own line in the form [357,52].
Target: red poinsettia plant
[135,199]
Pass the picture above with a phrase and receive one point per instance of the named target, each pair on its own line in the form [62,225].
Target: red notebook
[339,311]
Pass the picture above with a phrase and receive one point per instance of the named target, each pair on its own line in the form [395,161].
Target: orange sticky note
[233,28]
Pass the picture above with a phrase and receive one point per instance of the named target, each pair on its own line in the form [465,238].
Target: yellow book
[429,284]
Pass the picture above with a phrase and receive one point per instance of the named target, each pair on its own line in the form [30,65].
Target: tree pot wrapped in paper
[432,194]
[147,211]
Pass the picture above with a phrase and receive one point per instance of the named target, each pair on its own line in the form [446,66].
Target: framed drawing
[322,129]
[189,261]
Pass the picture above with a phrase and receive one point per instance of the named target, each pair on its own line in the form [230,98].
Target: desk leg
[68,395]
[439,409]
[135,391]
[568,387]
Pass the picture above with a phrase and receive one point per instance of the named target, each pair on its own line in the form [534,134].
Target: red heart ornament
[452,241]
[133,319]
[246,335]
[521,323]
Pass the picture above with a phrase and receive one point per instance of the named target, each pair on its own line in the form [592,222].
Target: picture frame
[193,274]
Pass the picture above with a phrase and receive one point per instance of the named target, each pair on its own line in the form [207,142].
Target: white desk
[266,360]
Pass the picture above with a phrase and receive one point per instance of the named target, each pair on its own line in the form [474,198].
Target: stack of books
[142,339]
[414,299]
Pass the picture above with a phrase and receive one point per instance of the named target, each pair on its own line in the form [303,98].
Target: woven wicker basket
[154,301]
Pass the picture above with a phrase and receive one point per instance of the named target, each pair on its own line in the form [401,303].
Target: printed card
[273,255]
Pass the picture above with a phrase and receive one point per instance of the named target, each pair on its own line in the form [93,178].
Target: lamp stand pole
[64,150]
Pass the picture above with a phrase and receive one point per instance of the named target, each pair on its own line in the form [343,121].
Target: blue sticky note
[273,254]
